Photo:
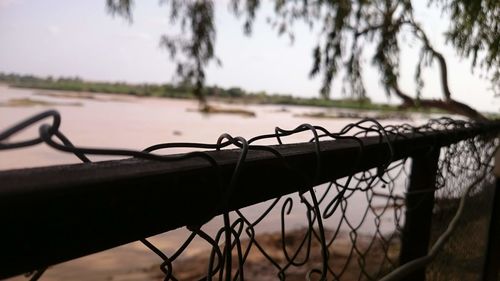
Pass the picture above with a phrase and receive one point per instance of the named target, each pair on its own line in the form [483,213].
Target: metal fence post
[419,205]
[492,256]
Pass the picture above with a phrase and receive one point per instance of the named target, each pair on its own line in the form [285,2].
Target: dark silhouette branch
[438,56]
[448,103]
[372,28]
[378,22]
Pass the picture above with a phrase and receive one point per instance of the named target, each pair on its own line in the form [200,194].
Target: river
[118,121]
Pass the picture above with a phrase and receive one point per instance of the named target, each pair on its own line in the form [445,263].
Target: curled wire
[325,209]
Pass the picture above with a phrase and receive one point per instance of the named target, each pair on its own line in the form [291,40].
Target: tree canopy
[348,29]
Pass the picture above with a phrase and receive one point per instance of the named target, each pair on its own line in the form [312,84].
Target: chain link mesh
[351,227]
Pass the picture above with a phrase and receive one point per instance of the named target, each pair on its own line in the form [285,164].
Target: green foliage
[193,48]
[77,84]
[122,8]
[347,27]
[475,33]
[184,91]
[235,92]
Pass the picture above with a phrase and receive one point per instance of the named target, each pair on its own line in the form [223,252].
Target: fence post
[419,205]
[492,257]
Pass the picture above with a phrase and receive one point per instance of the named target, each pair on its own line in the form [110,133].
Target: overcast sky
[78,38]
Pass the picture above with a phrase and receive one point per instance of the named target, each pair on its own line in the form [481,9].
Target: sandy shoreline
[257,267]
[135,125]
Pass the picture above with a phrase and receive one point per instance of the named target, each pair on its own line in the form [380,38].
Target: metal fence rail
[58,213]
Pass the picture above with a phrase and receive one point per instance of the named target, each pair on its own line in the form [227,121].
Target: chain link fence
[351,215]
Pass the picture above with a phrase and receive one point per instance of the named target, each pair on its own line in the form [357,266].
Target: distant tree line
[183,91]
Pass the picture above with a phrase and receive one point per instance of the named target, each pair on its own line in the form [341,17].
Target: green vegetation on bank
[184,91]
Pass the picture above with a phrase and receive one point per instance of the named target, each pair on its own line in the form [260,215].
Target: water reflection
[135,123]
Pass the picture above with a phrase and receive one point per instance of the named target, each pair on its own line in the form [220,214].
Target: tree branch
[449,105]
[370,28]
[452,106]
[437,55]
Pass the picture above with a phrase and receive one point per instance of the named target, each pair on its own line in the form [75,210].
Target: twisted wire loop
[351,226]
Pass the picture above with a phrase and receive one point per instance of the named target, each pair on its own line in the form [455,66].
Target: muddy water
[135,123]
[117,121]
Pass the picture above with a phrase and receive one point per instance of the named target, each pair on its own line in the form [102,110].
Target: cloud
[138,36]
[54,30]
[143,36]
[8,3]
[159,21]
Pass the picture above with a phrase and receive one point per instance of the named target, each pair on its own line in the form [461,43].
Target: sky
[79,38]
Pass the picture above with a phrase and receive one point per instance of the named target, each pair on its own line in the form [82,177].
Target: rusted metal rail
[53,214]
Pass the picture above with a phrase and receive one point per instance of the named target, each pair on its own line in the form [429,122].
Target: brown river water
[117,121]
